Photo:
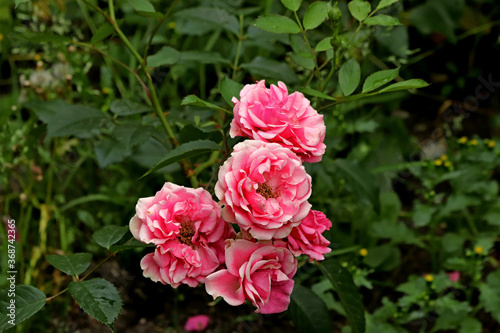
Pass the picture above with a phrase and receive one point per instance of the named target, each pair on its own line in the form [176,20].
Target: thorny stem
[238,49]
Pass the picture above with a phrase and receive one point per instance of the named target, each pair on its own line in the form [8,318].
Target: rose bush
[264,188]
[257,272]
[271,115]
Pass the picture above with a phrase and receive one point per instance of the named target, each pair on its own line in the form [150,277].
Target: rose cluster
[262,188]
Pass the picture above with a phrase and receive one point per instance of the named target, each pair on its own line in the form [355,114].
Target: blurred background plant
[94,95]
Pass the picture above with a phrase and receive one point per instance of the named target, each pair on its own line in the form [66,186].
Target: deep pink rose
[307,238]
[258,272]
[264,188]
[187,215]
[197,323]
[271,115]
[174,263]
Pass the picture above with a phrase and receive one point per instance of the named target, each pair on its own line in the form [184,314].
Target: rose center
[266,191]
[186,233]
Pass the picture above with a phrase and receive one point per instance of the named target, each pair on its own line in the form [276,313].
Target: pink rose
[187,227]
[197,323]
[174,263]
[307,238]
[271,115]
[454,276]
[264,188]
[258,272]
[187,215]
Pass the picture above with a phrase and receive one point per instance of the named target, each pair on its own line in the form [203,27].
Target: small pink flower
[264,188]
[187,227]
[197,323]
[271,115]
[307,238]
[454,276]
[173,263]
[257,272]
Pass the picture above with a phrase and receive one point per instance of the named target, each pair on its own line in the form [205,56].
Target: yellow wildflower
[491,144]
[106,90]
[438,162]
[429,277]
[473,142]
[462,140]
[444,157]
[478,249]
[363,252]
[171,25]
[447,164]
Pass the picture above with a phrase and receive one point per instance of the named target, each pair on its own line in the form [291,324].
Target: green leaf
[348,293]
[99,298]
[195,100]
[390,206]
[104,31]
[377,79]
[128,245]
[183,151]
[470,325]
[277,24]
[109,151]
[65,119]
[452,242]
[28,301]
[316,14]
[123,107]
[316,93]
[293,5]
[384,20]
[422,214]
[271,68]
[229,89]
[307,63]
[203,57]
[142,5]
[405,85]
[40,37]
[166,56]
[362,183]
[349,76]
[324,45]
[214,18]
[385,3]
[308,312]
[71,264]
[18,2]
[359,9]
[131,134]
[109,235]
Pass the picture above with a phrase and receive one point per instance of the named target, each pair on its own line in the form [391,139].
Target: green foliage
[348,293]
[28,301]
[72,264]
[277,24]
[109,235]
[308,312]
[349,76]
[316,14]
[99,298]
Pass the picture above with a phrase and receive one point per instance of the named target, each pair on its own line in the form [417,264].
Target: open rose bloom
[264,188]
[187,227]
[271,115]
[257,272]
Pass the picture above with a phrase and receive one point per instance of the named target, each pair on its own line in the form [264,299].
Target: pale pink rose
[264,188]
[257,272]
[197,323]
[307,238]
[187,215]
[271,115]
[174,263]
[454,276]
